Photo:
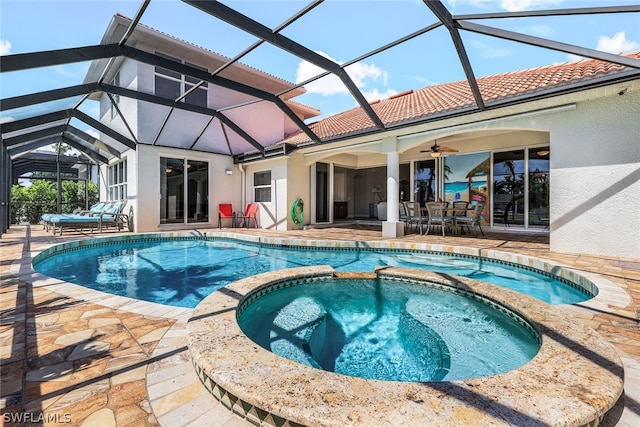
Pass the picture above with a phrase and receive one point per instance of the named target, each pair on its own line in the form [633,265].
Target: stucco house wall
[144,119]
[289,181]
[595,185]
[595,174]
[222,187]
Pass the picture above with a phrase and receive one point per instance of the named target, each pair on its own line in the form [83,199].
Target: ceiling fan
[437,151]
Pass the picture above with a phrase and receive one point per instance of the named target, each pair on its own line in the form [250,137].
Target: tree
[29,203]
[41,198]
[19,197]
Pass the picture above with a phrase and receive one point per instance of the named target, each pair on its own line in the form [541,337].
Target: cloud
[508,5]
[519,5]
[617,44]
[64,71]
[92,133]
[375,94]
[365,76]
[5,47]
[538,30]
[487,51]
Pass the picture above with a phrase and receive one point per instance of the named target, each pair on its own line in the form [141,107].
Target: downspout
[243,189]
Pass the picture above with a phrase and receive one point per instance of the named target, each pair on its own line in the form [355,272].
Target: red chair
[249,214]
[225,211]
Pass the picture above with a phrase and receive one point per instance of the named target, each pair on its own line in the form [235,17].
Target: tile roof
[449,97]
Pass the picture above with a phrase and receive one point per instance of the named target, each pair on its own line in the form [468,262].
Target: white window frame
[262,186]
[117,182]
[186,82]
[116,98]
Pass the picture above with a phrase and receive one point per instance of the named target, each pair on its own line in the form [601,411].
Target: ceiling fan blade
[447,150]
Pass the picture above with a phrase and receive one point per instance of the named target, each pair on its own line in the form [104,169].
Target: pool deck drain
[102,361]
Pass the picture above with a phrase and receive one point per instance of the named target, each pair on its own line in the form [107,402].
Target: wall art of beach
[459,190]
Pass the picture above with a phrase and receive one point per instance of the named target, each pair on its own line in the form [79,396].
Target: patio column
[392,227]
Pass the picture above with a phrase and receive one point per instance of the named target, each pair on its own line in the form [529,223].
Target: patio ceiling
[34,120]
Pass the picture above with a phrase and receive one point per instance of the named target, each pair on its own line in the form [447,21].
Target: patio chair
[225,212]
[404,217]
[251,213]
[415,219]
[459,208]
[472,221]
[437,217]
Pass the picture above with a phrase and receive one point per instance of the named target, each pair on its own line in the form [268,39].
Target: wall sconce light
[228,171]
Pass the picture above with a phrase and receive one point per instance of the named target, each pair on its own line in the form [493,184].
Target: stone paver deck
[72,356]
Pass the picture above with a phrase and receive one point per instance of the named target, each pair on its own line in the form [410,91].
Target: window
[262,186]
[117,181]
[172,85]
[116,98]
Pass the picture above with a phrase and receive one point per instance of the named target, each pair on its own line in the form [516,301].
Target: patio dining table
[449,212]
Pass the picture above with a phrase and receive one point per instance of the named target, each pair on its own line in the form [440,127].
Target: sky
[339,30]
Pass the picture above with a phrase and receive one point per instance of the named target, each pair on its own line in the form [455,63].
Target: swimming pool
[182,270]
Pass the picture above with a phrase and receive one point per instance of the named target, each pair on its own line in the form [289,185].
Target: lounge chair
[111,215]
[244,220]
[94,209]
[225,212]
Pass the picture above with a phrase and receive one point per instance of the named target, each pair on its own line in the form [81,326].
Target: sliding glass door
[183,196]
[539,187]
[508,188]
[521,188]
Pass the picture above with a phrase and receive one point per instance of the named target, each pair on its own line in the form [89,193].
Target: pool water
[182,272]
[387,330]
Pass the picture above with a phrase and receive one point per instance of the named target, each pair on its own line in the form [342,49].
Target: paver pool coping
[575,378]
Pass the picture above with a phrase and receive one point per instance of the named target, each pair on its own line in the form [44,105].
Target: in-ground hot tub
[574,379]
[388,329]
